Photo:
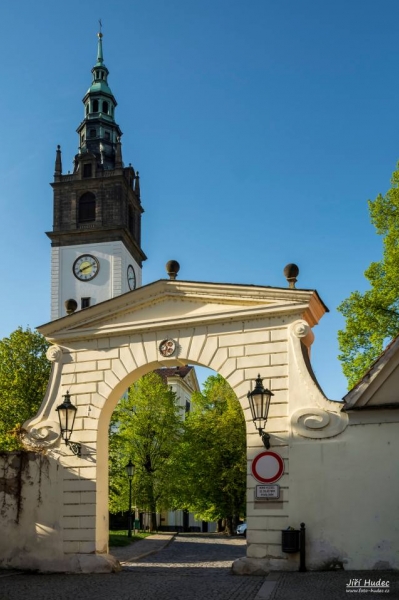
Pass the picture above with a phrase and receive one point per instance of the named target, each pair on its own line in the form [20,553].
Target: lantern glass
[259,402]
[130,469]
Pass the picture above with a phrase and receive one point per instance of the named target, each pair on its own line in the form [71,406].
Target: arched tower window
[87,208]
[105,107]
[95,105]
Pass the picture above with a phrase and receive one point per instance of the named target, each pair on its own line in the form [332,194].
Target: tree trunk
[153,507]
[229,526]
[154,524]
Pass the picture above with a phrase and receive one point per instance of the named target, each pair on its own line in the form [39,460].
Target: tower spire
[100,57]
[98,132]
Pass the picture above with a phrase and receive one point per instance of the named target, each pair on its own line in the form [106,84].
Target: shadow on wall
[46,512]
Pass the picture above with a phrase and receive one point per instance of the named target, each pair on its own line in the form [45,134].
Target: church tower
[96,239]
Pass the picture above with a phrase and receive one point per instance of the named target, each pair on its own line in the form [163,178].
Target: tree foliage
[198,464]
[212,459]
[146,427]
[24,374]
[372,317]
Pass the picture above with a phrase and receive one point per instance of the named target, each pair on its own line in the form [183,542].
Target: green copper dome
[99,87]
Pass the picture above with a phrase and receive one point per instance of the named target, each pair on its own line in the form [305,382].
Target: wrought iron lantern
[66,414]
[259,403]
[130,469]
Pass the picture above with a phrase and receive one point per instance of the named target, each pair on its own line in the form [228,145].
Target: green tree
[212,458]
[145,427]
[372,317]
[24,374]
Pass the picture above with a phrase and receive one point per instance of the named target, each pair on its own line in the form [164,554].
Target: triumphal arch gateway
[331,456]
[239,331]
[334,454]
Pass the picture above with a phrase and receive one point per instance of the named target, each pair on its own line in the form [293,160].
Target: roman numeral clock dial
[86,267]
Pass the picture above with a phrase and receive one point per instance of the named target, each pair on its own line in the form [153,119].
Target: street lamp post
[130,472]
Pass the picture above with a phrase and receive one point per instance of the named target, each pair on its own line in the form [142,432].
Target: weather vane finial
[101,26]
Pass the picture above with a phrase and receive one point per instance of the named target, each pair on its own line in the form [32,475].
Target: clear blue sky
[260,130]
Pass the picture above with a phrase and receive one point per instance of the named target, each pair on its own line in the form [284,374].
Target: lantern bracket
[265,439]
[76,448]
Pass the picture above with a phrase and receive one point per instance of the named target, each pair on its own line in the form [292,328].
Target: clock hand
[85,268]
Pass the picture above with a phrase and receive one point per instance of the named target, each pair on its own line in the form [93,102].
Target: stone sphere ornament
[291,272]
[172,268]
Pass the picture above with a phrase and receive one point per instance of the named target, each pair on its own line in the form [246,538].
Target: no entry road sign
[267,467]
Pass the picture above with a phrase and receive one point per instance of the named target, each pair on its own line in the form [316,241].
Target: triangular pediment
[169,304]
[379,386]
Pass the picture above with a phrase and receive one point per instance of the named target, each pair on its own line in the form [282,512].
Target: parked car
[242,529]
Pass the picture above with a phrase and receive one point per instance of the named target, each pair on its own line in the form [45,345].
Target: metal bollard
[302,551]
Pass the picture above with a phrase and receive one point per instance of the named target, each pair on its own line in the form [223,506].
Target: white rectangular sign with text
[267,491]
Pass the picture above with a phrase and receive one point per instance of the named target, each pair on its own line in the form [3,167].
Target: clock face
[131,278]
[86,267]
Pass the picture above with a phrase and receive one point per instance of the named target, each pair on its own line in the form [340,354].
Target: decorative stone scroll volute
[315,416]
[43,431]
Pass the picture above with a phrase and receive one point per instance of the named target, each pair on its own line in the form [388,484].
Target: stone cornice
[213,302]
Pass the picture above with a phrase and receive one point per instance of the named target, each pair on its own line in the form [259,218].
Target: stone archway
[235,330]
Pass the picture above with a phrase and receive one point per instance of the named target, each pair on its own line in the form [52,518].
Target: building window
[92,133]
[107,135]
[188,406]
[95,105]
[87,207]
[87,109]
[84,302]
[105,107]
[87,170]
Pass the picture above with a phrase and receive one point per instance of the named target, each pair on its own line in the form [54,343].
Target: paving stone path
[190,568]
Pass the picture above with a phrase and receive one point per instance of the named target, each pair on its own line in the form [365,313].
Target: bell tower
[96,238]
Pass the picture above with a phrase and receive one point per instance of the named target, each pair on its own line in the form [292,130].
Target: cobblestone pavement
[190,568]
[194,568]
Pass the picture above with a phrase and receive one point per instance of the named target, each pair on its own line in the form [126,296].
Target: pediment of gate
[169,304]
[378,389]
